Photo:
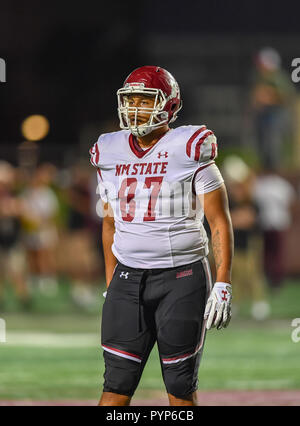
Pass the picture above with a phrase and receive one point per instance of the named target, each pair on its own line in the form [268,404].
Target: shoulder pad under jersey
[201,145]
[104,141]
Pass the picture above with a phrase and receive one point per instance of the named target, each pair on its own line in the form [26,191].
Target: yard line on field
[61,340]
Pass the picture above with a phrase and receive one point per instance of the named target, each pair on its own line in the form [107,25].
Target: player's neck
[153,137]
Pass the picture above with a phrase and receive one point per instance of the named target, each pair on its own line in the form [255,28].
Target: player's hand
[218,306]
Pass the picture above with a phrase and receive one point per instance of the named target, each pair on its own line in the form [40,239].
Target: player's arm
[108,230]
[216,211]
[108,223]
[218,307]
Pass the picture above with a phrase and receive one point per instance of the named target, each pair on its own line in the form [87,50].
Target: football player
[156,185]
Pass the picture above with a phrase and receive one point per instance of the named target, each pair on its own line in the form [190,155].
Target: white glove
[218,306]
[104,294]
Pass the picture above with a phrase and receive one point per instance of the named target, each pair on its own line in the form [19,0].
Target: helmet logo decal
[135,85]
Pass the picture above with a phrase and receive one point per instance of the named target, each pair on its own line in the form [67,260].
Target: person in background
[271,98]
[247,269]
[274,196]
[81,259]
[40,235]
[12,260]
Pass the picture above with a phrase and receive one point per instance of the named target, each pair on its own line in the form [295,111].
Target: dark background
[67,59]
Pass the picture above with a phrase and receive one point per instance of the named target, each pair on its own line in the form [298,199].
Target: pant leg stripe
[206,267]
[179,358]
[122,354]
[186,356]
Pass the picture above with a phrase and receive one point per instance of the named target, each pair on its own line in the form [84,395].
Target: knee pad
[181,378]
[121,375]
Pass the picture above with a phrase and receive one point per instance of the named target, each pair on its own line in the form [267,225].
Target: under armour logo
[224,295]
[160,154]
[124,274]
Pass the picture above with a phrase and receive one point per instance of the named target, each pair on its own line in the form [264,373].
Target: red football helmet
[151,81]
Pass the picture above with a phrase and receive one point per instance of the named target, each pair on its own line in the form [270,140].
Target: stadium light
[35,127]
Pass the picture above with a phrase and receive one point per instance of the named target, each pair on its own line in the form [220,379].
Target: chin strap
[143,131]
[136,131]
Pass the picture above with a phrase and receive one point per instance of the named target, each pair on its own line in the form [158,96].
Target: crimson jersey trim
[191,140]
[137,150]
[134,147]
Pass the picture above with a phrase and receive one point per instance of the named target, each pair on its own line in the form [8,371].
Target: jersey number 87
[128,199]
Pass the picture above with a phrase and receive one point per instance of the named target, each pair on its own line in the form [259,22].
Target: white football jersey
[158,221]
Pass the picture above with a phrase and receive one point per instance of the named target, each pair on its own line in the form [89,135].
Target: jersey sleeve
[95,153]
[95,161]
[202,146]
[207,179]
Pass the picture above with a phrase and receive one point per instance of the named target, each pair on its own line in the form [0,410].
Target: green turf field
[57,356]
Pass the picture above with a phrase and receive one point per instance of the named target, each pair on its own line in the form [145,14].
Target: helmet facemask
[158,117]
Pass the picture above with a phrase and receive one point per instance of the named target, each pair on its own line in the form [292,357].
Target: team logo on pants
[124,275]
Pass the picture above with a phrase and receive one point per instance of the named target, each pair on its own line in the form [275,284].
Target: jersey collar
[137,150]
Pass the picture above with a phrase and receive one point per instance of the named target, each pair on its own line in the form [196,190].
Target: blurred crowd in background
[50,232]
